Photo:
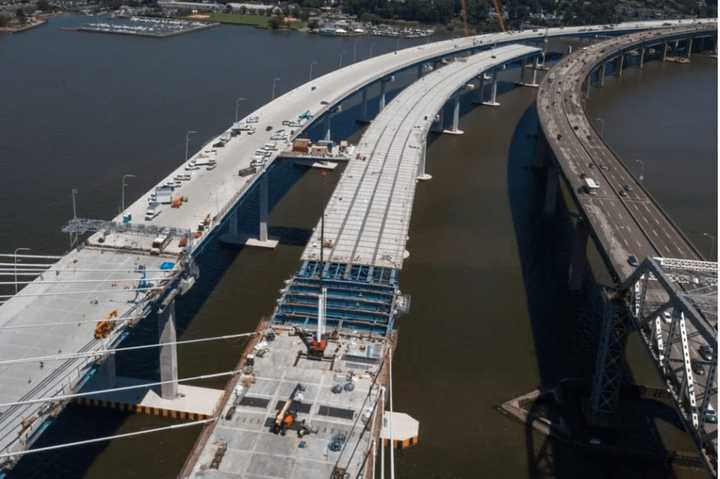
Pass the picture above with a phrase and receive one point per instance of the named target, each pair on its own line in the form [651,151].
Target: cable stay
[106,438]
[101,352]
[65,397]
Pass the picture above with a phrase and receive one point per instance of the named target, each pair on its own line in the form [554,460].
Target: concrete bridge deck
[211,193]
[368,216]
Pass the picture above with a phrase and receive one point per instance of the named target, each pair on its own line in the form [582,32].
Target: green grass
[260,21]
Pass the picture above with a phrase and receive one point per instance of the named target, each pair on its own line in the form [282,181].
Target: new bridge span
[365,231]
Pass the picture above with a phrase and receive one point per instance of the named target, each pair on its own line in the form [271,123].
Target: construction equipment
[501,19]
[286,416]
[105,325]
[316,343]
[498,11]
[464,13]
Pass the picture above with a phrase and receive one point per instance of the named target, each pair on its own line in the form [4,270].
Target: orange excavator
[498,11]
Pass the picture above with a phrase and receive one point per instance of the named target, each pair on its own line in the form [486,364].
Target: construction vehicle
[287,415]
[106,325]
[317,342]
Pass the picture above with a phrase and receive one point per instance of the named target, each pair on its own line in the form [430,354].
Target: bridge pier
[642,57]
[479,96]
[263,240]
[168,354]
[588,84]
[328,127]
[364,107]
[689,48]
[422,173]
[620,62]
[493,92]
[578,261]
[533,83]
[455,130]
[665,51]
[420,70]
[602,75]
[439,123]
[381,105]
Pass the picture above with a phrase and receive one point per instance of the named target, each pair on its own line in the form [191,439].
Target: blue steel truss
[359,298]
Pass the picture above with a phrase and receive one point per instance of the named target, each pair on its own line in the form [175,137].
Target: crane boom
[498,11]
[464,13]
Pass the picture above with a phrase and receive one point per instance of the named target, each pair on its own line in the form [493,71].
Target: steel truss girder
[608,374]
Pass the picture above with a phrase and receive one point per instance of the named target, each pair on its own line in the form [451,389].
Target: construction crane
[498,11]
[501,20]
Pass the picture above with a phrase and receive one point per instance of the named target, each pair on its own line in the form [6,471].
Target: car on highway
[667,317]
[633,261]
[710,414]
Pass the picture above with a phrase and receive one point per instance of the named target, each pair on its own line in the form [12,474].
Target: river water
[80,110]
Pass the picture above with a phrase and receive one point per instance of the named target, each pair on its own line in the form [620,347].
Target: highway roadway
[626,221]
[625,218]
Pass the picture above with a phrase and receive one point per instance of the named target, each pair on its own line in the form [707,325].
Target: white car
[667,317]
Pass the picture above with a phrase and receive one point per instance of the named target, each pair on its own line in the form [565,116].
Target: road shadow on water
[565,328]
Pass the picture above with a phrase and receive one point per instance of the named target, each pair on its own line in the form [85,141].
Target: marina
[145,27]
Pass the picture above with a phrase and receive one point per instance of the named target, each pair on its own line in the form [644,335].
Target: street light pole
[311,68]
[15,267]
[124,184]
[642,170]
[187,142]
[712,245]
[237,107]
[275,80]
[74,192]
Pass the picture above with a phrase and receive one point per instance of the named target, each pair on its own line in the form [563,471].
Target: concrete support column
[621,61]
[523,66]
[263,240]
[551,191]
[534,71]
[690,45]
[602,75]
[439,123]
[578,263]
[642,58]
[364,104]
[328,127]
[420,70]
[382,95]
[264,200]
[107,375]
[665,51]
[422,174]
[455,129]
[588,82]
[480,90]
[493,92]
[168,354]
